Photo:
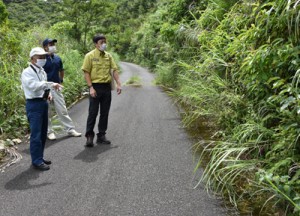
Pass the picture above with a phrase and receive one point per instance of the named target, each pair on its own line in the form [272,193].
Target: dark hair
[98,37]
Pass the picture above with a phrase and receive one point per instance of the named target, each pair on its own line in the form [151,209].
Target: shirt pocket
[102,64]
[105,63]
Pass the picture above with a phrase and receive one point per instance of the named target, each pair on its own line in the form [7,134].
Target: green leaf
[278,84]
[287,102]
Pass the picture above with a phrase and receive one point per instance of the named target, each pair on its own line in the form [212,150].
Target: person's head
[100,42]
[38,56]
[49,45]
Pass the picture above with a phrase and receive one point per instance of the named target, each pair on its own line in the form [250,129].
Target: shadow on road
[90,155]
[58,139]
[48,143]
[22,181]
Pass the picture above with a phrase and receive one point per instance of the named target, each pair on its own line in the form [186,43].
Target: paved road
[148,169]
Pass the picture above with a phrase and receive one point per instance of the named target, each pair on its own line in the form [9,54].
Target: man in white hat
[36,90]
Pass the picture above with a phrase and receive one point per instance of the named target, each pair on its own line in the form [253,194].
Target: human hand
[93,92]
[119,89]
[57,86]
[50,98]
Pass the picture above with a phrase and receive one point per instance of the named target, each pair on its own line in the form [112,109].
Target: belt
[35,99]
[101,84]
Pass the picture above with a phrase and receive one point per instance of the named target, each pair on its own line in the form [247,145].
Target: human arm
[115,74]
[87,77]
[61,75]
[30,81]
[55,86]
[50,98]
[61,72]
[117,79]
[87,68]
[34,85]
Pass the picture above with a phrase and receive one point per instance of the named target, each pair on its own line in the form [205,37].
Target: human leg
[91,120]
[35,114]
[51,135]
[92,116]
[44,127]
[61,110]
[51,106]
[105,102]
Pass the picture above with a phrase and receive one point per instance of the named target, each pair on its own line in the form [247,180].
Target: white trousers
[58,102]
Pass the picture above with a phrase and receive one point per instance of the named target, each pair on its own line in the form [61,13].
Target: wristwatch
[90,86]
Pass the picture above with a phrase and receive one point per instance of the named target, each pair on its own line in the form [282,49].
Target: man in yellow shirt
[99,71]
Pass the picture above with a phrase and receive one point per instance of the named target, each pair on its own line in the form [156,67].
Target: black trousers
[103,100]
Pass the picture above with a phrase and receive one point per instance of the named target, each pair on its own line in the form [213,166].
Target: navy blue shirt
[52,67]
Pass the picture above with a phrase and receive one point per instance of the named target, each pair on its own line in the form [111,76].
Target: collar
[36,67]
[101,53]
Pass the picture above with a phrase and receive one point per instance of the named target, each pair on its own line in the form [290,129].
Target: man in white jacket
[37,92]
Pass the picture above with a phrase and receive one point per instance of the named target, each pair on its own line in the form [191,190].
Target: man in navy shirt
[55,73]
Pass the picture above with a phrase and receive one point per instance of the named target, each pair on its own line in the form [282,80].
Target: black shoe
[42,167]
[47,162]
[89,141]
[103,140]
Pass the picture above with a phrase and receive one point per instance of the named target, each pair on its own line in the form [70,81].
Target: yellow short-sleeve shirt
[99,65]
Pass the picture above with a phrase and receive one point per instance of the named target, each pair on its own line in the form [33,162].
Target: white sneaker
[51,136]
[74,133]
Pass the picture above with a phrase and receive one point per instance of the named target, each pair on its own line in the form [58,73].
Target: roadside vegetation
[232,64]
[134,81]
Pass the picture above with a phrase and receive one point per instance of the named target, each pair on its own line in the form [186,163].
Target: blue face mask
[103,47]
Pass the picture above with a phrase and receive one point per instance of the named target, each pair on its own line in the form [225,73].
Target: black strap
[35,72]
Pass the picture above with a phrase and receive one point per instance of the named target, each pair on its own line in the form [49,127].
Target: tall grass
[240,74]
[14,57]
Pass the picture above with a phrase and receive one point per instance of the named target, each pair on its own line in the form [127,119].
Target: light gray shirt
[34,83]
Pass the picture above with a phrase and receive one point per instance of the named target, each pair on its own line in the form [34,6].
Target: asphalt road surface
[147,170]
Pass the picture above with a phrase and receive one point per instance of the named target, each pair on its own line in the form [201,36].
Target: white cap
[37,51]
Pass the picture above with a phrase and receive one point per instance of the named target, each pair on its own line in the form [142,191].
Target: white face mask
[103,47]
[52,49]
[40,62]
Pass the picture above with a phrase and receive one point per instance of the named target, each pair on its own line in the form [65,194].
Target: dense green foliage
[118,20]
[25,14]
[234,65]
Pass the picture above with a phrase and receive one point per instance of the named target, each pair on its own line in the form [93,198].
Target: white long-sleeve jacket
[34,83]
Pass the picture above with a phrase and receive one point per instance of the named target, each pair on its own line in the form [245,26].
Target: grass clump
[134,81]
